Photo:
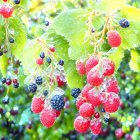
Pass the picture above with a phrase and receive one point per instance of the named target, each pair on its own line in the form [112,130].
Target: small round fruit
[80,68]
[8,82]
[52,49]
[39,61]
[96,115]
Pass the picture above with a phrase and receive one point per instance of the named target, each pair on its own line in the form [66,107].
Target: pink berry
[60,82]
[96,115]
[119,133]
[86,110]
[85,90]
[114,38]
[81,68]
[113,87]
[52,49]
[8,82]
[15,81]
[47,117]
[138,122]
[80,102]
[39,61]
[81,124]
[95,126]
[128,137]
[37,104]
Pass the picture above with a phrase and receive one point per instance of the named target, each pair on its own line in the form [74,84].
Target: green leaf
[135,61]
[25,4]
[2,32]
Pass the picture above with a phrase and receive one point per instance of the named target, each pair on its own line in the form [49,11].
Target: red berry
[81,68]
[109,67]
[67,105]
[65,99]
[60,82]
[80,102]
[95,97]
[6,10]
[81,124]
[96,115]
[39,61]
[86,110]
[91,62]
[5,0]
[112,103]
[114,38]
[15,81]
[95,78]
[85,90]
[37,104]
[52,49]
[95,126]
[128,137]
[47,117]
[138,122]
[58,112]
[8,82]
[113,87]
[119,133]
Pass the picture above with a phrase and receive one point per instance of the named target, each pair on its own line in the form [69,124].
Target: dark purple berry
[39,80]
[75,92]
[16,85]
[32,87]
[47,23]
[42,54]
[49,60]
[45,93]
[5,100]
[61,62]
[124,23]
[5,51]
[1,53]
[1,111]
[3,80]
[16,1]
[11,40]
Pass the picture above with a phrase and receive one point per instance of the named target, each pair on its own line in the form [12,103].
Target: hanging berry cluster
[45,80]
[99,96]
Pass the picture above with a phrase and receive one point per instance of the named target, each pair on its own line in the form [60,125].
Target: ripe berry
[16,85]
[108,66]
[119,133]
[15,81]
[14,111]
[6,10]
[45,93]
[91,62]
[8,82]
[17,1]
[75,92]
[93,30]
[95,97]
[58,112]
[81,124]
[86,110]
[42,54]
[86,90]
[1,111]
[52,49]
[61,62]
[80,68]
[37,104]
[1,53]
[11,40]
[124,23]
[49,60]
[57,102]
[106,120]
[47,23]
[80,102]
[5,100]
[94,78]
[5,51]
[96,115]
[3,80]
[138,122]
[114,38]
[123,76]
[60,82]
[113,87]
[39,61]
[39,80]
[128,136]
[32,87]
[47,117]
[2,89]
[95,126]
[4,0]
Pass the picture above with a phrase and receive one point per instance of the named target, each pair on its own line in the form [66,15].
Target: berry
[32,87]
[80,68]
[128,137]
[86,110]
[96,115]
[49,60]
[123,76]
[39,61]
[124,23]
[93,30]
[16,85]
[6,10]
[5,51]
[15,81]
[102,110]
[37,104]
[94,78]
[4,0]
[58,112]
[60,82]
[42,54]
[95,97]
[106,120]
[45,93]
[3,80]
[39,80]
[119,133]
[95,126]
[52,49]
[138,122]
[113,87]
[14,111]
[1,53]
[81,124]
[5,100]
[109,67]
[91,62]
[11,40]
[80,102]
[2,89]
[61,62]
[86,90]
[16,1]
[8,82]
[47,117]
[47,23]
[114,38]
[1,111]
[75,92]
[112,103]
[57,102]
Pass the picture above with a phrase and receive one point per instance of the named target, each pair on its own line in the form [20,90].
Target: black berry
[5,100]
[2,89]
[102,110]
[106,120]
[39,80]
[75,92]
[32,87]
[14,111]
[124,23]
[1,53]
[49,60]
[61,62]
[45,93]
[3,80]
[11,40]
[16,85]
[1,110]
[42,54]
[47,23]
[16,1]
[93,30]
[57,102]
